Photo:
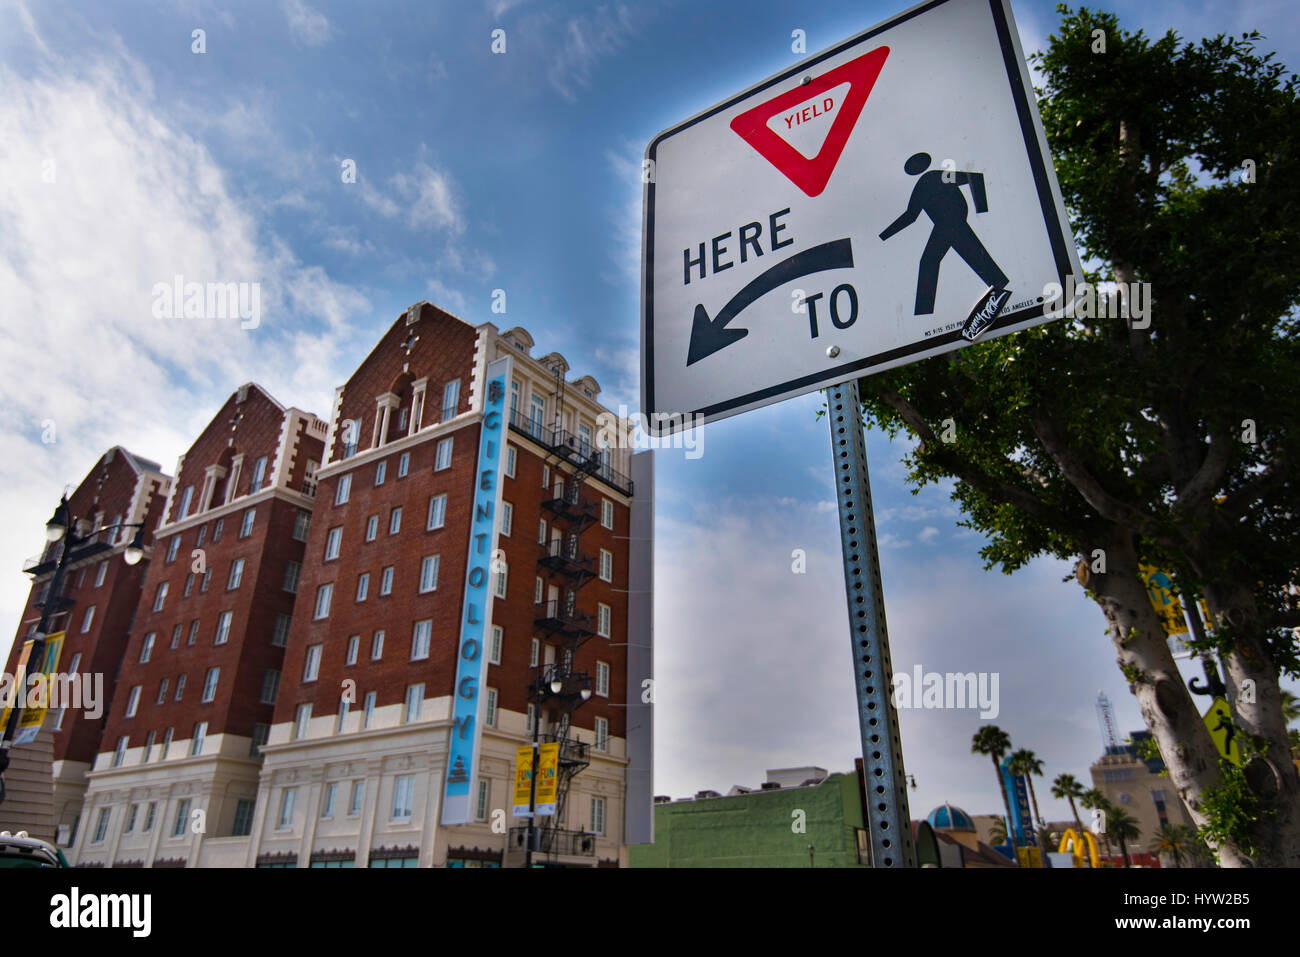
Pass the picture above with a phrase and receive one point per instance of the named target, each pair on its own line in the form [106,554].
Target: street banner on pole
[548,760]
[523,780]
[32,688]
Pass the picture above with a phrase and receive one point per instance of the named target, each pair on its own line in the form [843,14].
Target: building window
[162,691]
[333,540]
[216,530]
[363,586]
[130,818]
[189,584]
[607,513]
[193,636]
[223,628]
[176,637]
[402,418]
[259,473]
[120,751]
[243,818]
[490,712]
[606,565]
[507,517]
[166,746]
[602,734]
[532,717]
[602,620]
[386,581]
[205,580]
[511,457]
[146,649]
[355,799]
[327,803]
[203,533]
[534,651]
[312,666]
[502,575]
[403,796]
[182,817]
[301,720]
[598,816]
[100,572]
[180,687]
[261,732]
[280,635]
[186,497]
[429,573]
[196,742]
[87,619]
[343,490]
[301,525]
[602,679]
[351,431]
[246,523]
[546,477]
[450,399]
[377,646]
[291,572]
[148,742]
[481,805]
[494,648]
[420,639]
[101,825]
[442,457]
[284,819]
[324,595]
[270,686]
[372,527]
[395,521]
[160,596]
[344,707]
[414,699]
[381,470]
[437,512]
[403,463]
[148,817]
[173,547]
[368,711]
[210,685]
[74,664]
[236,574]
[541,531]
[538,587]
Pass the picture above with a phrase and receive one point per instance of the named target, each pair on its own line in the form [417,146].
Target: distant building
[1135,785]
[959,841]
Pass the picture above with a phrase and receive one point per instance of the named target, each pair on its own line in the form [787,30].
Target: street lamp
[58,523]
[135,551]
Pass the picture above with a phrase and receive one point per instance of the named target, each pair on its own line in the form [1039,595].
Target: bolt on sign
[887,199]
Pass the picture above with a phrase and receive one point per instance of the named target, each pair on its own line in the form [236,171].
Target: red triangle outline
[812,175]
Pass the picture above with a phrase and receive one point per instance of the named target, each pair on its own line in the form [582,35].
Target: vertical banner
[548,763]
[523,780]
[466,729]
[32,693]
[1164,600]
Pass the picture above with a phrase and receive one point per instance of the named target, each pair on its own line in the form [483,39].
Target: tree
[1101,441]
[1290,707]
[1124,828]
[995,742]
[1027,763]
[1067,788]
[998,833]
[1094,800]
[1174,840]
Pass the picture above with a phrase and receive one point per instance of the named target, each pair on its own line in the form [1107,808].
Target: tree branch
[1236,504]
[1208,477]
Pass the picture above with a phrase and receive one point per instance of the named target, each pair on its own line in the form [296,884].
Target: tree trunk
[1034,797]
[1167,706]
[1256,700]
[1006,804]
[1123,849]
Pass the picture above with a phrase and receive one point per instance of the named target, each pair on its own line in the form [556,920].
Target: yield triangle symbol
[784,130]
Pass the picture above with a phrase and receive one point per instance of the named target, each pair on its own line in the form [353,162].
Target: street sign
[1222,730]
[885,200]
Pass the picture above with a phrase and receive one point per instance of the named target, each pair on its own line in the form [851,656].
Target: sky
[127,158]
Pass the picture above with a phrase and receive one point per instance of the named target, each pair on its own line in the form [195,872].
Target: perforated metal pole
[888,819]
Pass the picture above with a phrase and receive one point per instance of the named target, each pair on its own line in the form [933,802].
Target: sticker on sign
[885,200]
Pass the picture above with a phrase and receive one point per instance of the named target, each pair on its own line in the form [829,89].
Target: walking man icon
[944,204]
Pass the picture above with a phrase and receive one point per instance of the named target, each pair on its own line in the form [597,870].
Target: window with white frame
[541,531]
[395,521]
[146,648]
[602,734]
[533,651]
[602,619]
[301,721]
[429,573]
[270,686]
[100,573]
[420,635]
[246,524]
[223,628]
[598,816]
[160,596]
[162,691]
[606,565]
[301,525]
[207,577]
[311,667]
[511,457]
[186,497]
[189,584]
[437,512]
[280,635]
[259,473]
[291,572]
[481,804]
[182,819]
[381,470]
[450,399]
[284,819]
[502,575]
[507,518]
[403,796]
[490,711]
[368,710]
[372,528]
[343,490]
[602,679]
[357,797]
[414,699]
[166,746]
[197,738]
[344,707]
[173,547]
[130,818]
[333,542]
[442,456]
[133,702]
[354,648]
[180,687]
[363,586]
[494,647]
[377,645]
[546,477]
[210,685]
[324,595]
[403,464]
[538,587]
[236,574]
[607,513]
[328,799]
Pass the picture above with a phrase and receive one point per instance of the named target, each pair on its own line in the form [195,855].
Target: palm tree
[1174,840]
[1047,838]
[1027,763]
[998,832]
[1290,707]
[1124,827]
[1094,800]
[995,742]
[1067,788]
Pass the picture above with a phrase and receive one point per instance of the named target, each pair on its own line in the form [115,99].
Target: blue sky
[478,171]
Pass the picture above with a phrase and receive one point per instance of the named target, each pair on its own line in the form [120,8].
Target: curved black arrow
[710,335]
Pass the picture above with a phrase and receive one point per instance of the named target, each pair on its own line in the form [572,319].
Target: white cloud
[587,40]
[928,535]
[422,198]
[309,27]
[890,540]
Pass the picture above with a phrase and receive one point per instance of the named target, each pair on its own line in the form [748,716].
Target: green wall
[754,830]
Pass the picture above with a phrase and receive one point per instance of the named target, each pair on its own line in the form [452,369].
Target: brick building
[175,778]
[100,593]
[357,769]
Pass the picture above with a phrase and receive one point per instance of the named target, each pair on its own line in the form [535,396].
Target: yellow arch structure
[1071,842]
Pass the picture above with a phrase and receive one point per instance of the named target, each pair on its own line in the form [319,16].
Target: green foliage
[1147,750]
[1232,812]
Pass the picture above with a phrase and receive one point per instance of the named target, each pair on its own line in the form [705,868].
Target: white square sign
[888,199]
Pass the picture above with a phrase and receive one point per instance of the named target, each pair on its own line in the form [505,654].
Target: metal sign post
[888,818]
